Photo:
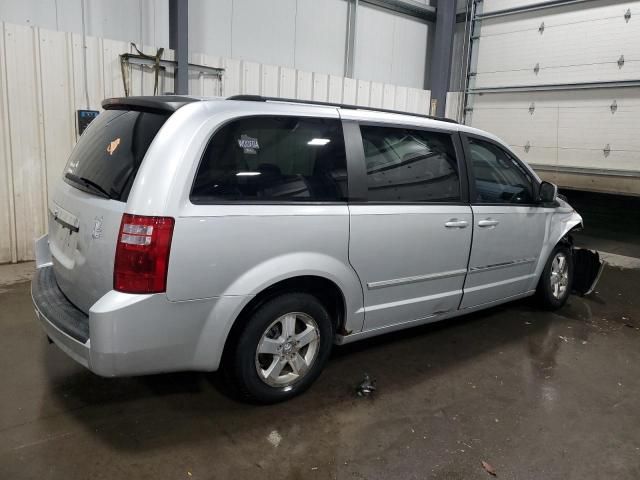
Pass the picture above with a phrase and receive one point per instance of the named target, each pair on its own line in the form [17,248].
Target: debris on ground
[489,469]
[274,438]
[366,387]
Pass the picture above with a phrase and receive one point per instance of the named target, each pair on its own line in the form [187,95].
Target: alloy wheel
[287,349]
[559,275]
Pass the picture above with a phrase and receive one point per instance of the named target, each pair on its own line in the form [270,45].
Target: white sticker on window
[248,144]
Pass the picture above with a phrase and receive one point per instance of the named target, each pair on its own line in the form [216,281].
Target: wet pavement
[534,394]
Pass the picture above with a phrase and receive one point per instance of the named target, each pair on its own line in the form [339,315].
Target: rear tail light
[142,254]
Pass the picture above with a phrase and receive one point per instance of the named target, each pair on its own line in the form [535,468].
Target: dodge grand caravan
[250,234]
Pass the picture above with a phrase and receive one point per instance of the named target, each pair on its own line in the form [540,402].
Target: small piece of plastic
[366,387]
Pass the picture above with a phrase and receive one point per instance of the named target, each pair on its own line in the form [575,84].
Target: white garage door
[593,130]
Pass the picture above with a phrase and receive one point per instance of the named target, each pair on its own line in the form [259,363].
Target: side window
[499,178]
[410,165]
[274,159]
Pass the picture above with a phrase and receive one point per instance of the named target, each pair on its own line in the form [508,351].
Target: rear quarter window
[108,155]
[273,158]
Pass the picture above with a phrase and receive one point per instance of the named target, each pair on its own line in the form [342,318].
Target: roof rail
[260,98]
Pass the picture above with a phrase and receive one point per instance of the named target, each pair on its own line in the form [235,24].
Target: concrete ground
[534,394]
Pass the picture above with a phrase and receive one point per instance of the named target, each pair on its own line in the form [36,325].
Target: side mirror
[547,193]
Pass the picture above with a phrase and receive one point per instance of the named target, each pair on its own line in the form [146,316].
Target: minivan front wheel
[282,348]
[557,278]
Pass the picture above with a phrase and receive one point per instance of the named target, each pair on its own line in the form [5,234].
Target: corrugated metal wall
[42,86]
[577,130]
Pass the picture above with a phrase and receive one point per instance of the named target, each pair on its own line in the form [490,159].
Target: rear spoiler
[155,104]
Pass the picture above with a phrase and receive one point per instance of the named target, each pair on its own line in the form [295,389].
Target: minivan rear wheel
[282,348]
[556,281]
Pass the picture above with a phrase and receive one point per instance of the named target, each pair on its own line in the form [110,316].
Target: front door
[509,227]
[410,238]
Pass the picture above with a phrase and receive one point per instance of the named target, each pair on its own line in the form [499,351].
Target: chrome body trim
[417,278]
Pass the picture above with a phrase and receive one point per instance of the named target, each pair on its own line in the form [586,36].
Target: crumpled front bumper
[587,268]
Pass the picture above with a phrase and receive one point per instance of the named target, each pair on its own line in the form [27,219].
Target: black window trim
[224,123]
[465,136]
[357,166]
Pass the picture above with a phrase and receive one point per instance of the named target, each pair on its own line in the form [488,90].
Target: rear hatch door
[87,206]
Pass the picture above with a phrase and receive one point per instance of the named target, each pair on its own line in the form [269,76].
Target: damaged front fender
[587,268]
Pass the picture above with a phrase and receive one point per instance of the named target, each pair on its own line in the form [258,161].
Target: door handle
[455,223]
[488,222]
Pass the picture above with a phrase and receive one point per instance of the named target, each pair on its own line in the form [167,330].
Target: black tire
[241,366]
[545,290]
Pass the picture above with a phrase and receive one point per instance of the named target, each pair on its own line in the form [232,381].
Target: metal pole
[440,71]
[179,42]
[350,50]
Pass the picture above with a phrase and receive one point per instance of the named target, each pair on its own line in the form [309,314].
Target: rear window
[109,153]
[274,159]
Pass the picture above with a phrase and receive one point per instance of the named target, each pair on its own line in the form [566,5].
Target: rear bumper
[125,335]
[63,323]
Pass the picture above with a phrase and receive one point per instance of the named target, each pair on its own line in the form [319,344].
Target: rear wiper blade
[87,183]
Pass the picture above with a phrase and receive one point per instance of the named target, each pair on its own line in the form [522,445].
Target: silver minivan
[250,234]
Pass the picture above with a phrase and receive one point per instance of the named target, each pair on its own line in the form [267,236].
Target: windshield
[109,153]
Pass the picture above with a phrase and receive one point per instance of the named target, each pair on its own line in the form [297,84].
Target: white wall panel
[304,85]
[200,83]
[362,92]
[210,26]
[57,103]
[424,101]
[7,212]
[112,73]
[349,91]
[270,80]
[29,13]
[374,44]
[409,52]
[250,78]
[320,87]
[24,135]
[452,108]
[321,30]
[264,31]
[287,82]
[231,82]
[388,96]
[458,57]
[375,99]
[401,98]
[335,89]
[390,47]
